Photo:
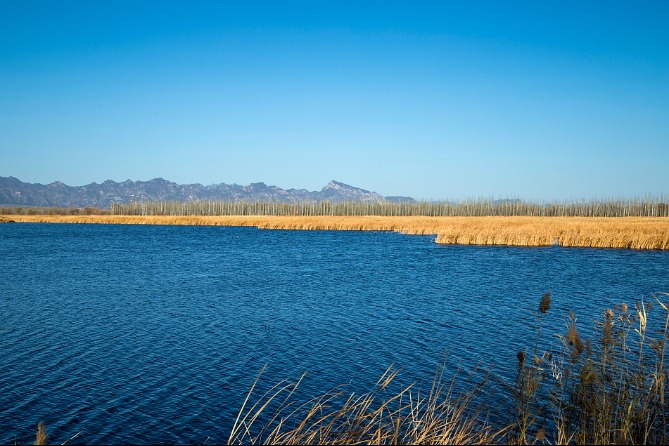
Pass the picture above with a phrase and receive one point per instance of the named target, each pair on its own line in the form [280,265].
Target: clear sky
[436,100]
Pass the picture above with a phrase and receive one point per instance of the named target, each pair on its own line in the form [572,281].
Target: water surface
[143,334]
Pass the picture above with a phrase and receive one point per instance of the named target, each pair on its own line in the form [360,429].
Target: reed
[596,232]
[612,392]
[406,416]
[41,436]
[607,390]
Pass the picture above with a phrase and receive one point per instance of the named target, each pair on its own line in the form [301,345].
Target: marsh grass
[608,390]
[595,232]
[41,436]
[380,416]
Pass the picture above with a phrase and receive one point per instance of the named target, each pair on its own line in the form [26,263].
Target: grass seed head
[41,434]
[575,340]
[545,303]
[521,358]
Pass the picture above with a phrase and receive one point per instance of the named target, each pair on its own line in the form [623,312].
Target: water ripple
[138,334]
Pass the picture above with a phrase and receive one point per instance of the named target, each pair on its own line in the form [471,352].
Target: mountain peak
[338,185]
[335,185]
[338,191]
[15,192]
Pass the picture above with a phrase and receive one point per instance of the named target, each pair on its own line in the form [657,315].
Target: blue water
[144,334]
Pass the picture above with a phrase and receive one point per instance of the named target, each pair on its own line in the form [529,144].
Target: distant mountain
[17,193]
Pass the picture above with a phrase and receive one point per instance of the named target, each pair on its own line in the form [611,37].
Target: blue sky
[435,100]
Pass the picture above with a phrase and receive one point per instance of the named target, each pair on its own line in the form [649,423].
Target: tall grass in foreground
[648,207]
[377,417]
[610,389]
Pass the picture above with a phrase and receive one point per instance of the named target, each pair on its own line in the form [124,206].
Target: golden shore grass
[596,232]
[41,437]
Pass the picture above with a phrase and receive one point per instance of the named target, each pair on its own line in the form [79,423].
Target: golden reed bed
[627,232]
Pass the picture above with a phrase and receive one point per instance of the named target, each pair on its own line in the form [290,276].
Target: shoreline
[640,233]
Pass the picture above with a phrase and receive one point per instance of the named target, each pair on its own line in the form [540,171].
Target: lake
[145,334]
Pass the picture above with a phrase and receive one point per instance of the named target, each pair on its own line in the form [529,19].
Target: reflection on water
[155,333]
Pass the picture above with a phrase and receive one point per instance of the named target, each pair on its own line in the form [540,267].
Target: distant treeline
[471,208]
[52,211]
[650,207]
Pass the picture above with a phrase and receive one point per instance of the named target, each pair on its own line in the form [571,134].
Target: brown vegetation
[596,232]
[381,416]
[41,436]
[608,390]
[611,390]
[53,211]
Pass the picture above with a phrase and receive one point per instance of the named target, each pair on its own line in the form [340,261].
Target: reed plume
[575,341]
[42,436]
[616,394]
[545,303]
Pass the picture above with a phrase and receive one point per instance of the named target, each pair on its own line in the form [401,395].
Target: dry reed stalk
[377,417]
[41,437]
[608,393]
[596,232]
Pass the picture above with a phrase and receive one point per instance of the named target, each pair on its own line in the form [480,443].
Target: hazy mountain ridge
[57,194]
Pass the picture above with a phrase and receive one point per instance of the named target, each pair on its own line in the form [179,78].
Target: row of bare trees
[612,208]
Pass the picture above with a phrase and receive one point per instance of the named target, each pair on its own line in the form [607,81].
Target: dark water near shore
[144,334]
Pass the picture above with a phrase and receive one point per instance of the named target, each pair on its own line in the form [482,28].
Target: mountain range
[15,192]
